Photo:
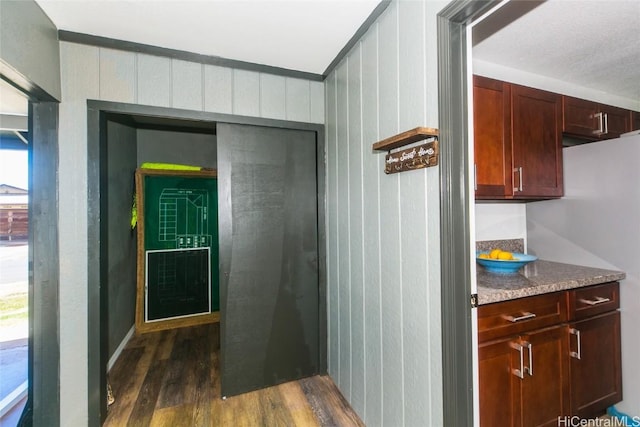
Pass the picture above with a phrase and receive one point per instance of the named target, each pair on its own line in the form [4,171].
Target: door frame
[43,396]
[43,354]
[97,116]
[455,198]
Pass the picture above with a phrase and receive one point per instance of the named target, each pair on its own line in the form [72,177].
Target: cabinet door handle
[518,171]
[598,300]
[475,176]
[600,129]
[576,354]
[529,368]
[519,372]
[606,123]
[525,316]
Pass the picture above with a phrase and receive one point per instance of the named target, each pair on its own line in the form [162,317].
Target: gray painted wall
[383,230]
[89,72]
[122,247]
[29,44]
[165,146]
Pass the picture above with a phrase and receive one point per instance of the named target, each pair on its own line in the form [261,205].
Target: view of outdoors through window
[14,313]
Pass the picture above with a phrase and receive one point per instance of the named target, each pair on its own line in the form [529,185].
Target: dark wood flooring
[171,378]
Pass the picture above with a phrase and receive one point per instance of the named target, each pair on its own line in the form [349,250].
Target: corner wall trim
[81,38]
[356,36]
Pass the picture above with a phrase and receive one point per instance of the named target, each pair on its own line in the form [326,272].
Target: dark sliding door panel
[268,227]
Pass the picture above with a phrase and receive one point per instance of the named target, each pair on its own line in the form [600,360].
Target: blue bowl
[505,266]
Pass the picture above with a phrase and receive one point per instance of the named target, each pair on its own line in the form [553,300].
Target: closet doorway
[271,238]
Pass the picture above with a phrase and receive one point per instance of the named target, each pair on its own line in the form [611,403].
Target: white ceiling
[303,35]
[589,43]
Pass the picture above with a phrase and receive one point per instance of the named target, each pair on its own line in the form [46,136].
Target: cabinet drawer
[517,316]
[587,302]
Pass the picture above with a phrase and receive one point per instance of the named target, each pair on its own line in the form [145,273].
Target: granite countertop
[539,277]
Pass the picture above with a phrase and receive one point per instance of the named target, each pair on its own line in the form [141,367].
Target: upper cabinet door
[616,121]
[580,118]
[635,120]
[492,138]
[537,143]
[591,121]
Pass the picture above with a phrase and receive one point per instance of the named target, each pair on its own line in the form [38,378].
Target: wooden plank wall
[383,231]
[94,73]
[14,223]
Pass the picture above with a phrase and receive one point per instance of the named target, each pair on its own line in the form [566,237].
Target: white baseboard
[121,346]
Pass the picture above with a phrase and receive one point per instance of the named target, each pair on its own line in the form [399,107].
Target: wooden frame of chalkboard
[204,181]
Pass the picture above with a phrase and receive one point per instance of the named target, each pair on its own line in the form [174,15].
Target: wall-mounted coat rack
[415,157]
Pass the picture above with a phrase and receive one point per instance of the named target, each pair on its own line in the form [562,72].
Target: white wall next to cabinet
[383,230]
[90,72]
[499,221]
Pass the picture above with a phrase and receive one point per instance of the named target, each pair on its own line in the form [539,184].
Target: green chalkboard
[178,229]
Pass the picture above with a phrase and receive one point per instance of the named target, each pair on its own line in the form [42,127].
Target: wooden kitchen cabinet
[594,344]
[592,121]
[517,141]
[617,121]
[544,390]
[596,375]
[518,133]
[549,355]
[492,138]
[523,363]
[579,118]
[524,379]
[635,120]
[499,386]
[537,143]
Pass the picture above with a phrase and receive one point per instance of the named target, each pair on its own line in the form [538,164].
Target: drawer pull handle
[598,300]
[576,354]
[525,316]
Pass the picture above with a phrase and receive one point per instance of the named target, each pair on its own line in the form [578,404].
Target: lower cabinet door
[544,391]
[596,374]
[499,365]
